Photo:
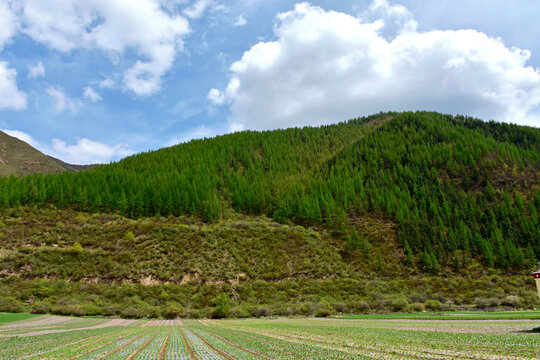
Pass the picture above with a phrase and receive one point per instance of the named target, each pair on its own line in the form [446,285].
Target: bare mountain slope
[19,158]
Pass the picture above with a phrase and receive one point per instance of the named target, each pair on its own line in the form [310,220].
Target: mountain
[19,158]
[395,211]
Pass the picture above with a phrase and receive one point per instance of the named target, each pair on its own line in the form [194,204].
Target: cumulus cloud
[217,97]
[199,132]
[327,66]
[22,136]
[83,152]
[197,9]
[91,94]
[10,96]
[106,83]
[155,34]
[88,152]
[393,19]
[62,102]
[240,21]
[36,70]
[7,23]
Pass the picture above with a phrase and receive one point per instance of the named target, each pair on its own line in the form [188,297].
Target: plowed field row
[281,339]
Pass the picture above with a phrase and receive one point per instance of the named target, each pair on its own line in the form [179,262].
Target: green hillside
[389,212]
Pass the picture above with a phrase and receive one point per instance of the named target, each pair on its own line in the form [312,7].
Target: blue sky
[94,80]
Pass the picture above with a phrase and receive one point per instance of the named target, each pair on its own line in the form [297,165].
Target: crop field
[56,337]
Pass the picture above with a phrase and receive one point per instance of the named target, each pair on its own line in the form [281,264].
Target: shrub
[41,308]
[483,303]
[363,306]
[172,312]
[76,248]
[433,304]
[399,304]
[112,310]
[11,305]
[261,311]
[222,306]
[419,307]
[239,312]
[511,300]
[131,313]
[323,309]
[129,236]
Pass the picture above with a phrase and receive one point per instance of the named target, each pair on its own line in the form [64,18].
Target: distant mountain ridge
[19,158]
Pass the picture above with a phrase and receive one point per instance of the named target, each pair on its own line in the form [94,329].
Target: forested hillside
[421,194]
[456,187]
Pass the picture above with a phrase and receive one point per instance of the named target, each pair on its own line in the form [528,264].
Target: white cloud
[36,70]
[199,132]
[7,23]
[22,136]
[197,9]
[216,96]
[113,27]
[88,152]
[328,66]
[394,19]
[83,152]
[240,21]
[62,102]
[106,83]
[91,94]
[10,96]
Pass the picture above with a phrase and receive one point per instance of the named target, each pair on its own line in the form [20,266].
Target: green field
[55,337]
[454,315]
[9,317]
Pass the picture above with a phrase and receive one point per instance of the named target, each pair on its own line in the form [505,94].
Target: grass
[453,315]
[9,317]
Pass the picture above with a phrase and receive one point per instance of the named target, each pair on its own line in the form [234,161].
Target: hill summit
[19,158]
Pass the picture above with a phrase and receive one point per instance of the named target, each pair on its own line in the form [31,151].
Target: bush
[129,236]
[222,306]
[418,307]
[239,312]
[362,306]
[323,309]
[131,313]
[261,311]
[433,304]
[511,300]
[172,312]
[11,305]
[399,304]
[41,308]
[76,248]
[483,303]
[112,310]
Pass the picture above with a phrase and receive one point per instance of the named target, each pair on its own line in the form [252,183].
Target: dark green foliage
[353,241]
[222,306]
[244,170]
